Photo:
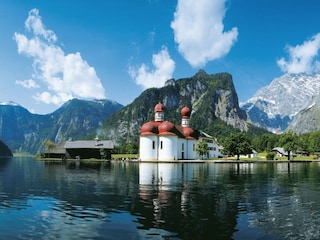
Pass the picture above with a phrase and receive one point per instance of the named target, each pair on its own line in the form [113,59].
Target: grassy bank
[124,156]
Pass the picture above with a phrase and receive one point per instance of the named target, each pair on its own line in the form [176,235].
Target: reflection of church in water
[161,140]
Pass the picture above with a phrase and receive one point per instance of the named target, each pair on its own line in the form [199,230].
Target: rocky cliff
[308,119]
[211,98]
[274,107]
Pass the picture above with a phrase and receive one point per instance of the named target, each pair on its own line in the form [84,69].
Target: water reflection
[124,200]
[185,200]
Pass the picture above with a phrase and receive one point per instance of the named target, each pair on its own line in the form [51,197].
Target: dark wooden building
[84,149]
[58,151]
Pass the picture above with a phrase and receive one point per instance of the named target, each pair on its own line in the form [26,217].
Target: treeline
[309,142]
[260,142]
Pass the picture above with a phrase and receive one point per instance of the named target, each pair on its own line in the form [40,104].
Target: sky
[54,50]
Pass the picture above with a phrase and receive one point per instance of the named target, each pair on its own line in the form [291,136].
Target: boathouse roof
[106,144]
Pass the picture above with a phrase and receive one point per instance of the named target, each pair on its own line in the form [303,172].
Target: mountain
[78,119]
[212,99]
[4,150]
[81,119]
[308,119]
[274,107]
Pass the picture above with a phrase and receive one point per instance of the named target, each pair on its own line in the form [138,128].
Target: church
[162,140]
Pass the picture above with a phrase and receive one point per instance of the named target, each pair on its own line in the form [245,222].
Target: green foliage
[126,148]
[310,141]
[290,142]
[236,144]
[265,142]
[49,146]
[270,156]
[200,93]
[202,148]
[254,131]
[219,129]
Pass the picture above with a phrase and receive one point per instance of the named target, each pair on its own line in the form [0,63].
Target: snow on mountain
[10,103]
[308,119]
[274,106]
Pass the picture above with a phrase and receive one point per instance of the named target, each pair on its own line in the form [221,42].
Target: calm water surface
[121,200]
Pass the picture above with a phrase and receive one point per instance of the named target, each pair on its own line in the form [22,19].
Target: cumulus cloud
[163,67]
[65,76]
[302,58]
[199,31]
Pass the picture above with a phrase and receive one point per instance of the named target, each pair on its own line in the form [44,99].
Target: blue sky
[55,50]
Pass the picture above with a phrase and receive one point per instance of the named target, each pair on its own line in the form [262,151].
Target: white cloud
[66,75]
[199,31]
[27,83]
[163,68]
[34,24]
[302,58]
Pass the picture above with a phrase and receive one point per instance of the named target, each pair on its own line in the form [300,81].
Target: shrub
[270,156]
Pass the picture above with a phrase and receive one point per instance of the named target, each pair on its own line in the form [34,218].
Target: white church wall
[191,149]
[182,148]
[149,148]
[167,148]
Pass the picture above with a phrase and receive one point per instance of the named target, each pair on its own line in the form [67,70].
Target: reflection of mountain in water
[287,206]
[187,201]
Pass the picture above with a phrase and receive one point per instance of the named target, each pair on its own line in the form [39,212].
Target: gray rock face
[274,107]
[307,120]
[209,96]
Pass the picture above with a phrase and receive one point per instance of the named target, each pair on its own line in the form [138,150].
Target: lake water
[123,200]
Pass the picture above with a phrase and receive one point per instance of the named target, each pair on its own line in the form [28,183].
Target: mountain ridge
[25,131]
[274,106]
[210,97]
[308,119]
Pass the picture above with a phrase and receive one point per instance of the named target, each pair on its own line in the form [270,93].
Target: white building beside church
[161,140]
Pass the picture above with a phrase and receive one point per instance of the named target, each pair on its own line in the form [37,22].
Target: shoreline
[221,161]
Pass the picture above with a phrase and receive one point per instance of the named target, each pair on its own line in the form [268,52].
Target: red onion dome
[149,128]
[166,127]
[159,107]
[187,132]
[185,112]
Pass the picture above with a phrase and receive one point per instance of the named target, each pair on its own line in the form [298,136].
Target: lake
[131,200]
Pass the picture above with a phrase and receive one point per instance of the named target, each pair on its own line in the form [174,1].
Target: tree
[289,141]
[131,148]
[202,148]
[236,144]
[270,156]
[314,141]
[49,146]
[265,142]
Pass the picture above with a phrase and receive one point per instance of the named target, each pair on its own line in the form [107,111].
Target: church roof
[159,107]
[169,128]
[150,128]
[185,112]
